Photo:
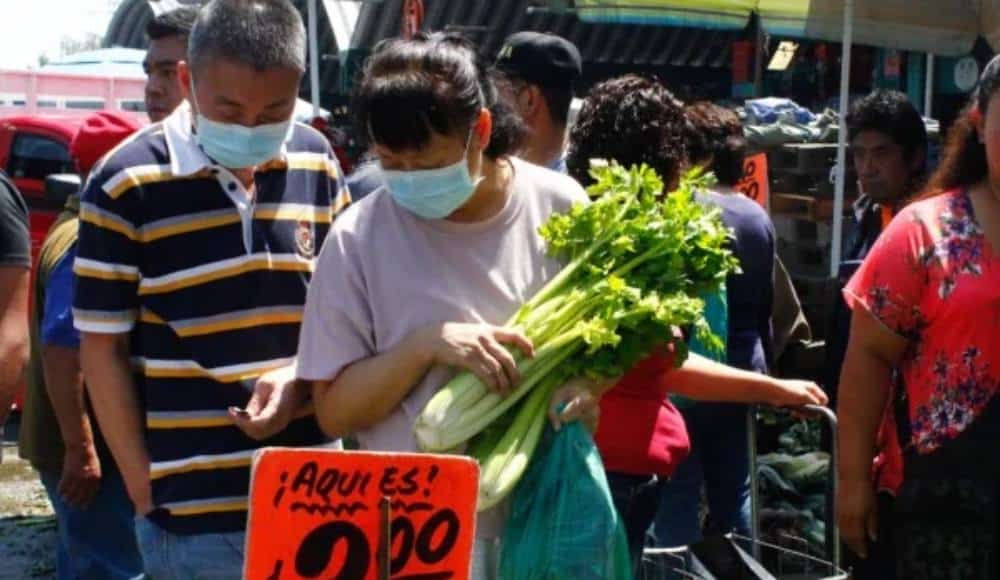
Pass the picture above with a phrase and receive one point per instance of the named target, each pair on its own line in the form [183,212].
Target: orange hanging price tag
[323,514]
[754,183]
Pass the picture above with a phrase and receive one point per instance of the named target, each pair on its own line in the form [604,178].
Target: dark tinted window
[37,157]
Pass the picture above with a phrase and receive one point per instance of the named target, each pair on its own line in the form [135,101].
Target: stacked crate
[802,209]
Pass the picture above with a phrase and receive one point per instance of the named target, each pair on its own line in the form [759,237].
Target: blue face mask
[239,147]
[432,193]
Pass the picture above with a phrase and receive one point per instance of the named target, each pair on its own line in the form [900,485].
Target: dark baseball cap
[540,58]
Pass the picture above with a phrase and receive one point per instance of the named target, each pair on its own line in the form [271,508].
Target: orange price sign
[754,183]
[345,515]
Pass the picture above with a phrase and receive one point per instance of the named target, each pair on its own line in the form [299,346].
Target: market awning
[940,27]
[943,27]
[722,14]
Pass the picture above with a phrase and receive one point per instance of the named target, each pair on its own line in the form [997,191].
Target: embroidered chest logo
[305,241]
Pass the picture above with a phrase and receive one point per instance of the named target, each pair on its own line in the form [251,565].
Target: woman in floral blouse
[926,330]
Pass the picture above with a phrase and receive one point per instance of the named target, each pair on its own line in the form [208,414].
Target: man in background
[543,69]
[168,39]
[888,142]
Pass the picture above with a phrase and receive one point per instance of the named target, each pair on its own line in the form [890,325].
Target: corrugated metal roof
[489,22]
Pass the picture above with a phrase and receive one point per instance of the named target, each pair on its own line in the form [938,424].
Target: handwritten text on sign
[754,183]
[316,514]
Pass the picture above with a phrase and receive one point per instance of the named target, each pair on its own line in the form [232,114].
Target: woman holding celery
[415,279]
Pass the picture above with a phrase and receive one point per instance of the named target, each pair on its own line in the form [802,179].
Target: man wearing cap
[93,511]
[542,69]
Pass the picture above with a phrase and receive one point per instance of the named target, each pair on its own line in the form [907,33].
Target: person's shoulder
[144,152]
[11,198]
[144,147]
[750,208]
[364,181]
[955,198]
[359,220]
[307,139]
[558,188]
[736,205]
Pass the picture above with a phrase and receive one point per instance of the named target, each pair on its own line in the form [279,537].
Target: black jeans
[637,499]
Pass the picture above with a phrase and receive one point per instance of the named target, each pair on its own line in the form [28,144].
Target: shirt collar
[186,157]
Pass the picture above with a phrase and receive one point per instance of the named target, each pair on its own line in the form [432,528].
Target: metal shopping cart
[790,558]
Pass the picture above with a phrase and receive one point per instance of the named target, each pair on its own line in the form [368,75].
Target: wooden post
[384,540]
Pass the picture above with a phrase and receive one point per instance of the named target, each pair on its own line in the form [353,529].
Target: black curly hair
[631,120]
[890,113]
[433,83]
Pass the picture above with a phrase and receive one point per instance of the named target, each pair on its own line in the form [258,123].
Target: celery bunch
[637,261]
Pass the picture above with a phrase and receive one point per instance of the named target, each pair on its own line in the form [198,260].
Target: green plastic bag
[563,524]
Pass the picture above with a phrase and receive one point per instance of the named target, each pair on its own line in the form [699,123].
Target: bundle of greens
[636,262]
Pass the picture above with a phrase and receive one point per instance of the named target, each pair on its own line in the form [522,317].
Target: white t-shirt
[384,272]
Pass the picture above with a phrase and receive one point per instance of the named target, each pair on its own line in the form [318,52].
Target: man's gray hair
[263,34]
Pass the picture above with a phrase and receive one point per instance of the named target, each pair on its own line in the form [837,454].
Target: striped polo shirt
[210,284]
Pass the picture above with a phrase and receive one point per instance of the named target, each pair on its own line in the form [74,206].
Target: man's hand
[277,399]
[81,476]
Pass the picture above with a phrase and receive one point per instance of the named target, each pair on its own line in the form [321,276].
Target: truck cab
[33,147]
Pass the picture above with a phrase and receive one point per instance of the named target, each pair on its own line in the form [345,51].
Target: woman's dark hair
[892,114]
[717,140]
[435,83]
[631,120]
[963,160]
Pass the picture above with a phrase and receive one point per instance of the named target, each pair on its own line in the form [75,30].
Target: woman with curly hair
[925,310]
[641,435]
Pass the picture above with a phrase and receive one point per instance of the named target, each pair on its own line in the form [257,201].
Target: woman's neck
[490,196]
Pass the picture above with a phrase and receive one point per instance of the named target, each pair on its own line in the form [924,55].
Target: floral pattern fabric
[933,279]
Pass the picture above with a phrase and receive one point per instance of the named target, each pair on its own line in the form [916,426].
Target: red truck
[33,147]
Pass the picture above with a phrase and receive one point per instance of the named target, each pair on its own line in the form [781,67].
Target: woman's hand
[796,393]
[857,514]
[481,350]
[578,400]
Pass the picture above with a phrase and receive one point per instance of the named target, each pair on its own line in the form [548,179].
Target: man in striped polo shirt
[197,240]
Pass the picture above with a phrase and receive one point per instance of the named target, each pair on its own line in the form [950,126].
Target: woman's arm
[872,353]
[702,379]
[365,392]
